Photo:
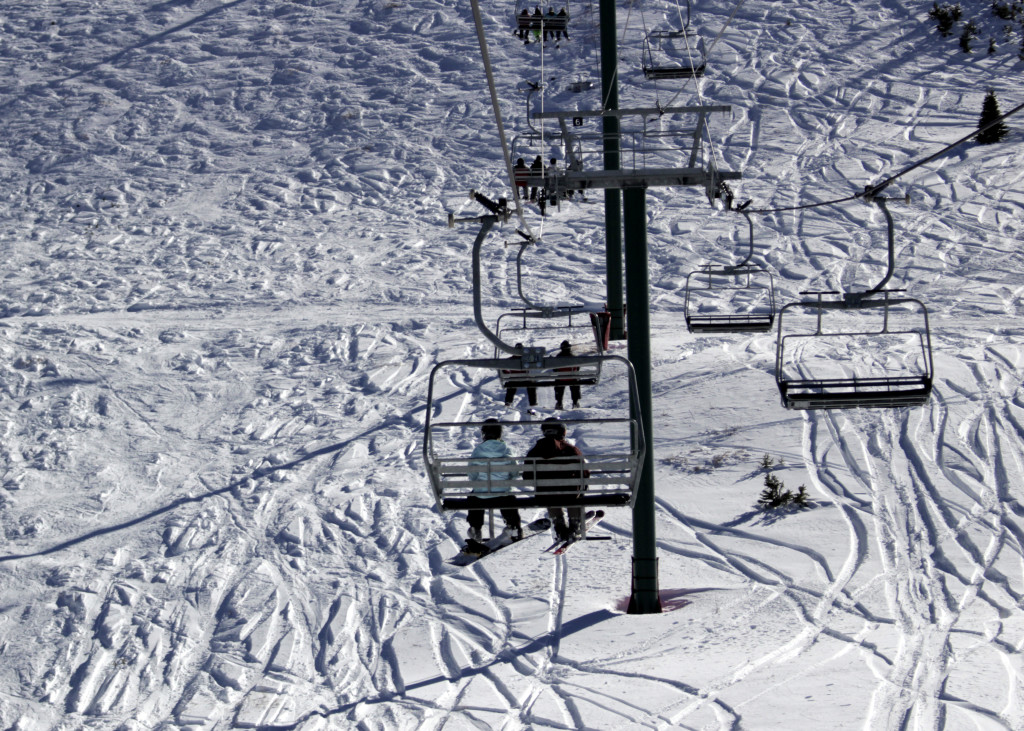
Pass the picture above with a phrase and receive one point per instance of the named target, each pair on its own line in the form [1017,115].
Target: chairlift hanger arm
[545,311]
[750,226]
[487,223]
[519,277]
[890,229]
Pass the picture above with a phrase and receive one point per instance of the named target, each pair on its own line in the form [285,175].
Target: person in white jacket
[489,452]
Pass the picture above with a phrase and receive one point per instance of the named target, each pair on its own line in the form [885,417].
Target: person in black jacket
[513,384]
[521,173]
[536,170]
[553,449]
[565,351]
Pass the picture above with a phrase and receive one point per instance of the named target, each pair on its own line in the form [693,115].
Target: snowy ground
[228,277]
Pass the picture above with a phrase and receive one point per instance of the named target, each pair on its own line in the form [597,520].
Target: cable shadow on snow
[508,655]
[148,41]
[258,473]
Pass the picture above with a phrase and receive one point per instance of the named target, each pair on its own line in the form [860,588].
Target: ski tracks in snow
[269,575]
[931,486]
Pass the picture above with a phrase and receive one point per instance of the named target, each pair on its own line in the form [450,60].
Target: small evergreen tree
[945,16]
[1002,10]
[969,33]
[774,494]
[989,113]
[991,46]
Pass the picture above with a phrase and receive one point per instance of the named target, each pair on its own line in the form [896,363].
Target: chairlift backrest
[548,330]
[535,16]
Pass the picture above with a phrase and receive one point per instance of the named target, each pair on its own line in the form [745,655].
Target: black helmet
[552,427]
[491,429]
[566,345]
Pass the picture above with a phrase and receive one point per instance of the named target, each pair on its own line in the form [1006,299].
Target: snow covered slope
[227,277]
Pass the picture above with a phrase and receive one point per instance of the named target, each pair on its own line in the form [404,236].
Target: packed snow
[229,276]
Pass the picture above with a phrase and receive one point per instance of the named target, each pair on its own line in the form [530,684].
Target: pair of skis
[591,519]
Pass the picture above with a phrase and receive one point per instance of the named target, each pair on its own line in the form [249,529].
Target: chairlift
[891,361]
[580,84]
[530,18]
[546,329]
[607,475]
[525,151]
[660,58]
[615,450]
[546,326]
[742,284]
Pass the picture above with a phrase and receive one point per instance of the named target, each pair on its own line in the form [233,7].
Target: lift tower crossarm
[634,112]
[614,179]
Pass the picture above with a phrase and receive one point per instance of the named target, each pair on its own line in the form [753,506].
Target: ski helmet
[552,427]
[491,429]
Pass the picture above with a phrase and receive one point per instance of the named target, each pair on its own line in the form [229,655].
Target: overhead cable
[870,191]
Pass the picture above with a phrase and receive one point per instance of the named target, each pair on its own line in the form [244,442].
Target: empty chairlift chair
[861,349]
[730,299]
[673,55]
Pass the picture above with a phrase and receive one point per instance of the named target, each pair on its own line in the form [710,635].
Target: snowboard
[473,551]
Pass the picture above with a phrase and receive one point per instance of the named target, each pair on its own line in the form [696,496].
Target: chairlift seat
[542,22]
[729,323]
[836,393]
[608,482]
[658,73]
[541,378]
[657,64]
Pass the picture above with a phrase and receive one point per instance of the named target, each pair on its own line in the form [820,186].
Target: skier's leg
[575,519]
[475,518]
[558,521]
[513,525]
[511,516]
